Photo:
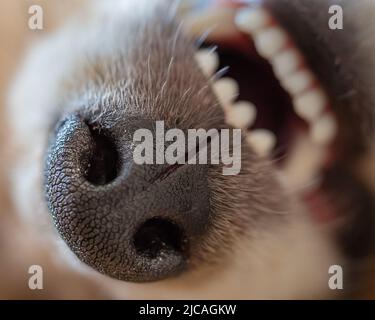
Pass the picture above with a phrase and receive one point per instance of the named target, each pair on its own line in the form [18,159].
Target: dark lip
[330,55]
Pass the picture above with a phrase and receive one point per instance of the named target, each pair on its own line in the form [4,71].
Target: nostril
[158,236]
[103,166]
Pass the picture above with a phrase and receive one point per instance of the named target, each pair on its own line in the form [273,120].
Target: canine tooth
[208,61]
[298,82]
[310,105]
[324,130]
[250,20]
[303,164]
[226,90]
[286,62]
[270,41]
[241,115]
[262,141]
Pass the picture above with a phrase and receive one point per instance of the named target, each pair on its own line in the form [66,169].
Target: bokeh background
[18,248]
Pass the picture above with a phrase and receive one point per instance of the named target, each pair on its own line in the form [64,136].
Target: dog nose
[131,222]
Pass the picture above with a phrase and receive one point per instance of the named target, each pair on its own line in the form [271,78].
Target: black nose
[131,222]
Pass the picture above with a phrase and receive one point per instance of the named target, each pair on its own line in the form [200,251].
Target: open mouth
[266,87]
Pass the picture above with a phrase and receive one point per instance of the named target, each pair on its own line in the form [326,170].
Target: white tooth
[286,62]
[208,61]
[302,166]
[241,115]
[324,130]
[226,90]
[250,20]
[310,105]
[298,82]
[270,41]
[262,141]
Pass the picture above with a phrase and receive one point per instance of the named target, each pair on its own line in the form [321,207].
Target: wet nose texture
[131,222]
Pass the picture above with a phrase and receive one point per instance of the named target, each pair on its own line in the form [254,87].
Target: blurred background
[18,248]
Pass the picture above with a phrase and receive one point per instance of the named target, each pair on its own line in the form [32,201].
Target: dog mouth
[267,87]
